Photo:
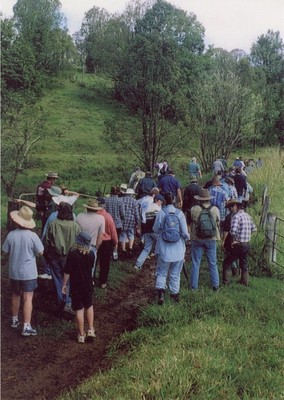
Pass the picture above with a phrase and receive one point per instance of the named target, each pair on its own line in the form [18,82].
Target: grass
[225,345]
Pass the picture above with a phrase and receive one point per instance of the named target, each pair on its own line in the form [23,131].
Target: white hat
[130,191]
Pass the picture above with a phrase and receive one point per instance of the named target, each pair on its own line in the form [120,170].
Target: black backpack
[206,224]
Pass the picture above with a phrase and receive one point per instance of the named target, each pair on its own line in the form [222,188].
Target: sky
[228,24]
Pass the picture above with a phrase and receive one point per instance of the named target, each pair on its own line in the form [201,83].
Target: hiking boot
[244,278]
[15,323]
[29,331]
[137,268]
[161,293]
[91,333]
[81,338]
[69,310]
[175,297]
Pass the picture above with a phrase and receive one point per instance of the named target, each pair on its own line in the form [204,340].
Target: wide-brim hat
[204,195]
[232,202]
[93,204]
[64,199]
[52,174]
[54,191]
[26,203]
[23,217]
[130,191]
[229,179]
[84,239]
[123,186]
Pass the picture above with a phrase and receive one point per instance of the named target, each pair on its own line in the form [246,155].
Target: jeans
[197,249]
[57,271]
[173,269]
[149,241]
[239,252]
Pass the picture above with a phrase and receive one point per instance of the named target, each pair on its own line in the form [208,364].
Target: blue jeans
[197,249]
[149,241]
[173,269]
[57,271]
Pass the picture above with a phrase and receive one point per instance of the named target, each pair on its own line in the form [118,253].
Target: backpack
[171,226]
[206,224]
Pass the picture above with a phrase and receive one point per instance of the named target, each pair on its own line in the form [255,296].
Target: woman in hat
[61,235]
[78,269]
[23,246]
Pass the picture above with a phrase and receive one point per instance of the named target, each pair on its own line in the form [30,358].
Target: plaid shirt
[242,227]
[131,212]
[114,206]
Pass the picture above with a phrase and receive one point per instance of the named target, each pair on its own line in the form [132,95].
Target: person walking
[23,246]
[43,197]
[189,201]
[114,206]
[194,169]
[169,184]
[78,269]
[242,226]
[61,235]
[131,222]
[204,235]
[170,226]
[149,236]
[109,243]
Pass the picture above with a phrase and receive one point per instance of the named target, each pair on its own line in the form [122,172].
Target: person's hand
[64,289]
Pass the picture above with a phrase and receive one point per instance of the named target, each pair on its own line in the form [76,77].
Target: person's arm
[100,235]
[65,280]
[179,198]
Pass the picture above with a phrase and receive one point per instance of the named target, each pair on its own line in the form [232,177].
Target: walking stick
[185,272]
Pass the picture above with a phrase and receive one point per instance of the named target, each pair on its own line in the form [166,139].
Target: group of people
[159,212]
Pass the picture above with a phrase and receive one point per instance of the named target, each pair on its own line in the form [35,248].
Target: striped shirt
[242,227]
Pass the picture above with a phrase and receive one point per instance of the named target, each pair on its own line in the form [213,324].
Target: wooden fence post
[270,238]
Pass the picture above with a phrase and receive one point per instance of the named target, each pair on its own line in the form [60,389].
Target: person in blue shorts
[23,245]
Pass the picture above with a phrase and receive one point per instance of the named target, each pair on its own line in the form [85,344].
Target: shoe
[69,310]
[15,323]
[175,297]
[137,268]
[44,276]
[91,333]
[103,286]
[81,338]
[161,299]
[29,331]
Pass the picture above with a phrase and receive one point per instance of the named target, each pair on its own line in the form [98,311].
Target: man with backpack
[204,231]
[170,225]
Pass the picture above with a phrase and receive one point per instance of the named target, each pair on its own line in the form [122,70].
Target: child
[23,245]
[78,268]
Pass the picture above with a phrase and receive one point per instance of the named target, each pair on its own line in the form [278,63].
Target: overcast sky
[228,24]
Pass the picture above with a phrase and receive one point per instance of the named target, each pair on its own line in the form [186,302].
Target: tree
[267,57]
[223,116]
[41,24]
[20,133]
[151,80]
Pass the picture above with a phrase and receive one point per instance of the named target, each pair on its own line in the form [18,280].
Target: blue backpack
[171,226]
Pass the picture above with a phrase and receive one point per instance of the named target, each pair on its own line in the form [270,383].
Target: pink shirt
[110,229]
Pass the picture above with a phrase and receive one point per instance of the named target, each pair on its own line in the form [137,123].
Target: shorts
[128,234]
[80,301]
[25,286]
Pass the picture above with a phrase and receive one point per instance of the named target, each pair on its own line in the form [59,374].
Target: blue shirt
[170,252]
[169,184]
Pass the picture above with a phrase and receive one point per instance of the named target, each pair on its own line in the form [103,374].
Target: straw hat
[93,204]
[204,195]
[123,187]
[217,180]
[52,174]
[26,203]
[23,217]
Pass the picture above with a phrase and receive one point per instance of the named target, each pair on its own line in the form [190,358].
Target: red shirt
[110,229]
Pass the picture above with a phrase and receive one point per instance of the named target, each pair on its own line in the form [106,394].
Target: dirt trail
[42,367]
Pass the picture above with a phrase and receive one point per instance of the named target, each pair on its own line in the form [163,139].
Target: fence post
[270,238]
